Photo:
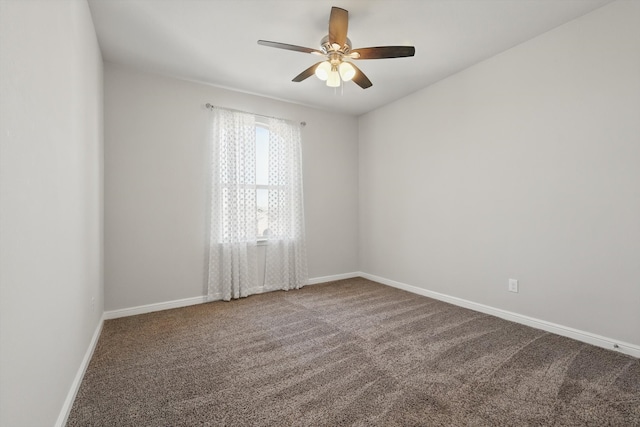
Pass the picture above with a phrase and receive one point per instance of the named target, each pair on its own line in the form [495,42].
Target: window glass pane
[262,155]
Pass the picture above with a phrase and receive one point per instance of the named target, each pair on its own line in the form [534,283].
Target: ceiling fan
[336,47]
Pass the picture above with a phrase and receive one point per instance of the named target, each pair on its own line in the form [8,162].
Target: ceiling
[215,41]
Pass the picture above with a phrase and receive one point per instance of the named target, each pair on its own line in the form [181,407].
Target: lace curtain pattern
[233,240]
[286,260]
[233,243]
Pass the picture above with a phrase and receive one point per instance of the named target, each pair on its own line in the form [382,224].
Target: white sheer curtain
[233,242]
[286,258]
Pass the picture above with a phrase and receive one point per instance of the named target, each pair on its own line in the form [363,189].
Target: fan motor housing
[327,48]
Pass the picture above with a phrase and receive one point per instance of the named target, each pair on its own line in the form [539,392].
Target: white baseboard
[75,385]
[324,279]
[587,337]
[149,308]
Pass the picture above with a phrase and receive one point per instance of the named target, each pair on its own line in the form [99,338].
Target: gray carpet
[352,352]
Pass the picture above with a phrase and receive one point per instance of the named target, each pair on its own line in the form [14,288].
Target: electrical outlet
[513,285]
[93,304]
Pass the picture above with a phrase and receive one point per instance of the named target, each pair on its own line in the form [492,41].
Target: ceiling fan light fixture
[323,70]
[347,72]
[334,79]
[337,49]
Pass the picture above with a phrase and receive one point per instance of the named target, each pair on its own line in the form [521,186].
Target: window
[256,194]
[244,187]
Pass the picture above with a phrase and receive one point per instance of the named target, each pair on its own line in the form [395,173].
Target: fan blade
[338,24]
[306,73]
[289,47]
[360,79]
[383,52]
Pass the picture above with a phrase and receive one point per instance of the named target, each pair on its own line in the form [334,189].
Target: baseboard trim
[333,278]
[587,337]
[150,308]
[75,385]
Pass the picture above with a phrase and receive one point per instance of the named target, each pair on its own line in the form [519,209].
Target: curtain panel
[286,260]
[233,243]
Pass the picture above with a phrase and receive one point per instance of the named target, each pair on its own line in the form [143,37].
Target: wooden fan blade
[306,73]
[360,79]
[338,25]
[383,52]
[289,47]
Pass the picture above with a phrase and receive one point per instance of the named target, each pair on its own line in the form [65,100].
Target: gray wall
[524,166]
[50,205]
[156,163]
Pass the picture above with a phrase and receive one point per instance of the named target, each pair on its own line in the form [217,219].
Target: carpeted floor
[352,352]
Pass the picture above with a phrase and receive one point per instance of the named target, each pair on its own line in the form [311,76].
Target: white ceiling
[215,41]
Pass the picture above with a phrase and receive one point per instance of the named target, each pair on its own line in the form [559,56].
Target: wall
[156,163]
[50,205]
[524,166]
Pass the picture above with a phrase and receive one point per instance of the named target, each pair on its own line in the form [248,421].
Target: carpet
[352,353]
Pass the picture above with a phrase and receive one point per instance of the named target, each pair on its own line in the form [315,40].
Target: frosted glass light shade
[334,79]
[347,71]
[323,70]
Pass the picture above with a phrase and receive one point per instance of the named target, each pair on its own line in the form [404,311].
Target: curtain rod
[211,107]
